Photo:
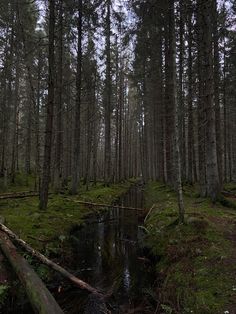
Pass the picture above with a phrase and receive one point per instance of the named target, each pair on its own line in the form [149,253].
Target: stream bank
[46,231]
[197,260]
[108,252]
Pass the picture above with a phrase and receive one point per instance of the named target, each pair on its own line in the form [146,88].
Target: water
[108,254]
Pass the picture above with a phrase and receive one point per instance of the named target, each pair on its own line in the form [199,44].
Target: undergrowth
[197,264]
[41,228]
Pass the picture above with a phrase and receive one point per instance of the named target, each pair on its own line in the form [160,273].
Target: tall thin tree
[76,144]
[49,114]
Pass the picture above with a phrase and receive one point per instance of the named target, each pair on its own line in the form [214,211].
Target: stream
[107,252]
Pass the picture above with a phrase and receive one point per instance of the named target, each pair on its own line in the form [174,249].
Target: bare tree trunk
[76,144]
[225,119]
[50,108]
[37,121]
[31,101]
[7,97]
[217,91]
[190,98]
[107,157]
[59,128]
[120,121]
[15,131]
[170,111]
[181,89]
[212,176]
[178,174]
[201,108]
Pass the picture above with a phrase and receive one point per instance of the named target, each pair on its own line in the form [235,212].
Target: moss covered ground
[197,260]
[39,227]
[47,230]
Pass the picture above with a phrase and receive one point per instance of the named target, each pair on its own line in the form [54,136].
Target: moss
[47,230]
[40,228]
[105,194]
[197,259]
[231,186]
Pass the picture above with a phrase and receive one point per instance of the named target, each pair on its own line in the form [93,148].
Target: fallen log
[39,296]
[18,195]
[43,259]
[108,205]
[229,194]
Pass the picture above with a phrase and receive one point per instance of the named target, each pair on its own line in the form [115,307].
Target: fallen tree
[43,259]
[39,296]
[229,194]
[18,195]
[108,205]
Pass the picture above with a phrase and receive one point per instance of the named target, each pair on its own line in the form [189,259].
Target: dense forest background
[107,90]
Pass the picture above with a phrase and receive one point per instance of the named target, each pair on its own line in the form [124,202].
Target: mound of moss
[197,260]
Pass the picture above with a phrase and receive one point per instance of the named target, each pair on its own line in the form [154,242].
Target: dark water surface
[107,252]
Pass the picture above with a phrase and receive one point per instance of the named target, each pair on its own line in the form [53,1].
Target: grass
[198,259]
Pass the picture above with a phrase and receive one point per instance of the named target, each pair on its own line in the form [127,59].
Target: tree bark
[178,174]
[50,108]
[40,298]
[212,174]
[190,97]
[76,281]
[59,128]
[76,143]
[107,157]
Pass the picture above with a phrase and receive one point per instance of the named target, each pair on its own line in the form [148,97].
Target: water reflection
[106,254]
[106,251]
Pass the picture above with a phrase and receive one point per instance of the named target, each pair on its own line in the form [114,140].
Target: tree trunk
[217,91]
[190,98]
[76,144]
[40,298]
[107,157]
[201,107]
[50,108]
[212,175]
[80,283]
[59,129]
[172,47]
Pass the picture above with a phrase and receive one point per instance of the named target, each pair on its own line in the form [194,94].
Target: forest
[118,156]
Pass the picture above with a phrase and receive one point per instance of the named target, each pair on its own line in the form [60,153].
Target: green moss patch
[40,228]
[197,264]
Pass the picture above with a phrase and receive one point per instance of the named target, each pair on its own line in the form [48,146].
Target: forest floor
[197,260]
[47,230]
[196,268]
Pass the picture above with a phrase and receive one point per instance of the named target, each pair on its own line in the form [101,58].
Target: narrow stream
[107,253]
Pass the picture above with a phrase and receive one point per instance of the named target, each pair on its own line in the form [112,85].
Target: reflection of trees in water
[110,249]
